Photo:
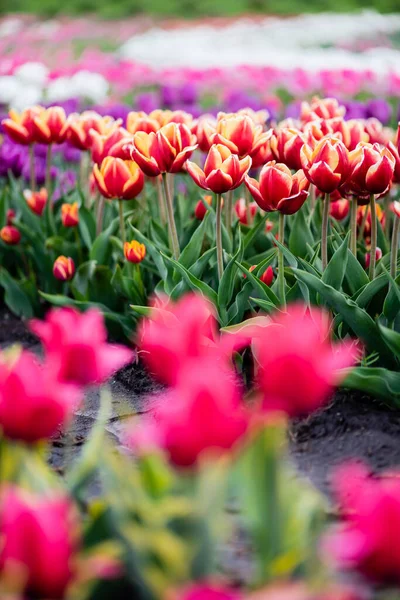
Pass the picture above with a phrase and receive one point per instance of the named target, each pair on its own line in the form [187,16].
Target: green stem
[161,202]
[78,245]
[362,225]
[353,226]
[218,235]
[281,261]
[324,237]
[100,214]
[32,168]
[140,280]
[48,176]
[228,212]
[171,220]
[122,221]
[395,247]
[247,198]
[373,238]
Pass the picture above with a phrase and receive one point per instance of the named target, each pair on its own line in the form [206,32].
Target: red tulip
[371,170]
[394,151]
[108,144]
[326,165]
[10,216]
[277,189]
[200,210]
[76,346]
[36,200]
[203,128]
[377,133]
[10,235]
[134,252]
[206,591]
[64,268]
[395,208]
[118,179]
[339,209]
[201,415]
[297,343]
[378,256]
[140,121]
[20,127]
[241,212]
[44,403]
[79,128]
[70,214]
[268,276]
[286,145]
[368,538]
[326,108]
[367,225]
[351,132]
[240,134]
[49,126]
[223,171]
[40,540]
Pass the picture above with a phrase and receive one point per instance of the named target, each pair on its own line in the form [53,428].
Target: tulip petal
[196,174]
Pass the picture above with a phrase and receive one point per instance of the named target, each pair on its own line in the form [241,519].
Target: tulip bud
[36,200]
[326,165]
[339,209]
[117,178]
[10,216]
[20,127]
[378,255]
[69,214]
[371,170]
[64,268]
[268,276]
[200,210]
[10,235]
[223,171]
[395,208]
[241,212]
[134,251]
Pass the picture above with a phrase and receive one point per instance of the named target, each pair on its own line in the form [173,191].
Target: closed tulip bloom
[240,134]
[64,268]
[200,210]
[70,214]
[36,200]
[394,151]
[262,155]
[204,128]
[50,126]
[165,117]
[297,343]
[109,144]
[134,251]
[20,126]
[315,131]
[141,121]
[351,132]
[223,171]
[117,178]
[79,128]
[277,189]
[377,133]
[378,256]
[10,216]
[76,346]
[40,539]
[380,214]
[241,212]
[268,276]
[165,151]
[203,590]
[44,401]
[286,145]
[395,208]
[327,165]
[10,235]
[367,540]
[325,108]
[339,209]
[371,170]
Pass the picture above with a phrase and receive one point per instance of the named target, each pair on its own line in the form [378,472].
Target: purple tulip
[380,109]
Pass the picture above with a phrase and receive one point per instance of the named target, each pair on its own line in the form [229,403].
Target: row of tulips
[335,179]
[155,524]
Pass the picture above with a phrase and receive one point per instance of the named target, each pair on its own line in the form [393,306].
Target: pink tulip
[76,346]
[181,332]
[207,591]
[40,537]
[368,538]
[299,366]
[33,403]
[202,414]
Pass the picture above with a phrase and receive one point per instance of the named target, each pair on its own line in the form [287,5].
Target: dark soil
[14,331]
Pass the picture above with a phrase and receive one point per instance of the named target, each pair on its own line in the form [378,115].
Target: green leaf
[195,284]
[300,235]
[227,283]
[81,282]
[391,305]
[356,277]
[15,297]
[254,231]
[192,251]
[377,382]
[392,338]
[101,248]
[265,305]
[290,258]
[265,291]
[334,272]
[364,296]
[153,251]
[87,226]
[3,208]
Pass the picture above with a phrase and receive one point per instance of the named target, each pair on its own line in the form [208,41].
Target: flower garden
[200,329]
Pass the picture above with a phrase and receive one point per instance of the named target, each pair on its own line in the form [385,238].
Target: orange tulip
[240,134]
[134,251]
[371,170]
[165,151]
[327,165]
[79,128]
[117,178]
[10,235]
[326,108]
[20,127]
[64,268]
[286,145]
[277,189]
[49,126]
[69,214]
[109,144]
[36,200]
[223,171]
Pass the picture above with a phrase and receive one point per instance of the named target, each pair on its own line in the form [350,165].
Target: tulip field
[200,313]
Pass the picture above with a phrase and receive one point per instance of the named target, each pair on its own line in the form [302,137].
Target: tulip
[20,127]
[378,256]
[200,210]
[364,220]
[240,135]
[286,145]
[376,132]
[117,178]
[339,209]
[70,214]
[326,108]
[203,129]
[241,212]
[76,346]
[268,276]
[10,216]
[40,541]
[207,591]
[351,132]
[263,155]
[140,121]
[50,126]
[165,117]
[36,200]
[395,208]
[10,235]
[177,334]
[201,415]
[108,144]
[315,131]
[44,401]
[134,252]
[64,268]
[367,539]
[297,343]
[79,128]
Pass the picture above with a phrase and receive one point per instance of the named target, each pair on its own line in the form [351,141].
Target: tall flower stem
[161,202]
[218,235]
[32,173]
[228,212]
[373,238]
[281,261]
[395,247]
[100,214]
[324,237]
[48,175]
[122,220]
[171,220]
[247,198]
[353,226]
